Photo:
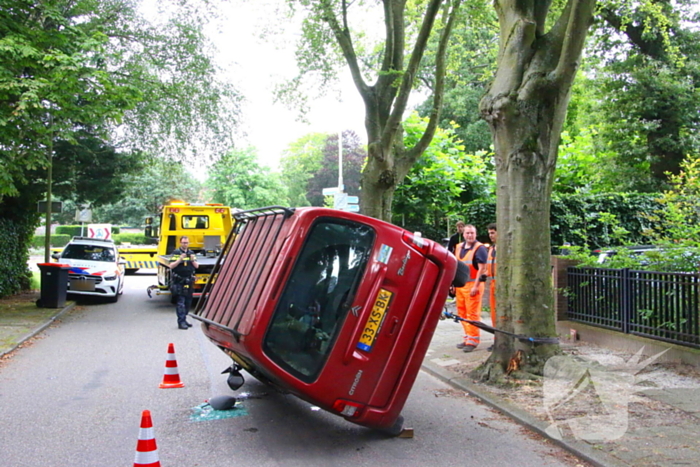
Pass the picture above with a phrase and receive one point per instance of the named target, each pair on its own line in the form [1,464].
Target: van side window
[317,296]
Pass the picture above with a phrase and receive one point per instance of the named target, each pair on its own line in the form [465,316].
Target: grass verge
[19,316]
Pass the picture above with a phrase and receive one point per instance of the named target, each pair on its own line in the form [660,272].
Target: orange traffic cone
[146,449]
[171,378]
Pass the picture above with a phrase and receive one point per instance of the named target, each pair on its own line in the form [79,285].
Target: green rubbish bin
[54,283]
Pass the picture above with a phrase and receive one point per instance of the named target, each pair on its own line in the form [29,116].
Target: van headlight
[110,278]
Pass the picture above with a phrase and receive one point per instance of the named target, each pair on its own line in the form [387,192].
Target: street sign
[352,208]
[330,191]
[339,200]
[56,206]
[101,231]
[83,215]
[353,199]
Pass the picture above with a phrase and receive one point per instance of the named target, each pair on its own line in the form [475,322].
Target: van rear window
[317,296]
[195,222]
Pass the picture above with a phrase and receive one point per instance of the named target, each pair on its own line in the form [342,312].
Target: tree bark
[525,108]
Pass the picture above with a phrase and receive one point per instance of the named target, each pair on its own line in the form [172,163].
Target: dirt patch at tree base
[584,399]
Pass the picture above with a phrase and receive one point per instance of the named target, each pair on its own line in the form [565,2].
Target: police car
[95,267]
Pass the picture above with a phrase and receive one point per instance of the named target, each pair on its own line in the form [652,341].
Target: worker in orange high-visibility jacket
[491,272]
[468,298]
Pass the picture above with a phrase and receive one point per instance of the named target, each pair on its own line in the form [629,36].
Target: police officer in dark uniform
[183,264]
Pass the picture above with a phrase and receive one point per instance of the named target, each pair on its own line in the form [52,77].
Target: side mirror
[56,255]
[462,275]
[235,379]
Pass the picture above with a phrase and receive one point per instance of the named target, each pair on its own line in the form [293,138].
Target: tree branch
[392,63]
[342,35]
[650,46]
[438,94]
[409,74]
[580,17]
[518,31]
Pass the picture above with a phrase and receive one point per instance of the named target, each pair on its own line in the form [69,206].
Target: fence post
[560,281]
[625,300]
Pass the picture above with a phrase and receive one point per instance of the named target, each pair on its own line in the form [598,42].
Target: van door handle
[394,325]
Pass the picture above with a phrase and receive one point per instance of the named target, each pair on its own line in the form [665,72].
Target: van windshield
[317,296]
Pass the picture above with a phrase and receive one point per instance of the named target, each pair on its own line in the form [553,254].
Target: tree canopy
[70,66]
[299,162]
[384,73]
[633,103]
[239,181]
[310,164]
[354,156]
[649,88]
[441,183]
[146,191]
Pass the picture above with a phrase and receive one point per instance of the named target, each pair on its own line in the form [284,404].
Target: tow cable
[492,330]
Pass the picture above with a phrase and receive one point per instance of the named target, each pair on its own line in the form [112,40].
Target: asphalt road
[74,398]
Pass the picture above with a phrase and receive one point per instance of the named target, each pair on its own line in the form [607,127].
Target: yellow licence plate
[374,322]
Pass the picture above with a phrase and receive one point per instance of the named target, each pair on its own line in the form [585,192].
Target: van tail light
[417,241]
[347,408]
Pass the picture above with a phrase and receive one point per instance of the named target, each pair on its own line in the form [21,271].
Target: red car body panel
[334,307]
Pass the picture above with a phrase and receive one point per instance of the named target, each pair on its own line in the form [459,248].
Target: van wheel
[395,429]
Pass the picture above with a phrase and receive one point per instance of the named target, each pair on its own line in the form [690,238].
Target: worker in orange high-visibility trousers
[468,298]
[491,272]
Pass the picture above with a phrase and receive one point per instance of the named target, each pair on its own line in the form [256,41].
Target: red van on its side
[334,307]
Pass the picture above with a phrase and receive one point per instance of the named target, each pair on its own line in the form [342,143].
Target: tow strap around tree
[492,330]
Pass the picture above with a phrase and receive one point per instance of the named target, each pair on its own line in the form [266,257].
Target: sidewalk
[655,423]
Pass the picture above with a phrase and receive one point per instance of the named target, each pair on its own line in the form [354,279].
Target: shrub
[589,221]
[75,230]
[56,240]
[14,275]
[133,238]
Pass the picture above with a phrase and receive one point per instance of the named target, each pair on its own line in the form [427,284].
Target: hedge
[585,220]
[75,230]
[133,238]
[57,241]
[590,221]
[15,276]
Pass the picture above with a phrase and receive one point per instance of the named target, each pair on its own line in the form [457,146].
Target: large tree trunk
[525,108]
[379,181]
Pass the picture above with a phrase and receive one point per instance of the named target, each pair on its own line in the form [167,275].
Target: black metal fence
[658,305]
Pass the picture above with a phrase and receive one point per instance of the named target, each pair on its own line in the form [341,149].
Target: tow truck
[206,225]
